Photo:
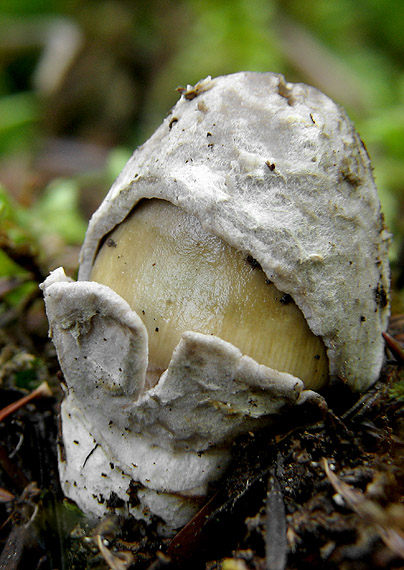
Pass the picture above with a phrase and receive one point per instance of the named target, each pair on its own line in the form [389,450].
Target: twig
[394,346]
[43,390]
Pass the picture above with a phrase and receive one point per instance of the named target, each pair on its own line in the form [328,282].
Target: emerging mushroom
[179,278]
[238,262]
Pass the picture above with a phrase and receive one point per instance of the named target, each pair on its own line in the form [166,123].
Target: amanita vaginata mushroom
[238,263]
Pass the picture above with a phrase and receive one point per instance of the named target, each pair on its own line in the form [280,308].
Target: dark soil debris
[323,490]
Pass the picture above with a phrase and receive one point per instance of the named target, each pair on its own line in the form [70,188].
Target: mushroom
[238,263]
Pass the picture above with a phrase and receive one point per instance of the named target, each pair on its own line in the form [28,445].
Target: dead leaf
[371,512]
[115,560]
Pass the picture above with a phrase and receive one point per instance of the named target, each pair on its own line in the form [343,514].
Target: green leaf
[57,212]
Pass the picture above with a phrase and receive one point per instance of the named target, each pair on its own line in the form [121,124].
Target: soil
[325,490]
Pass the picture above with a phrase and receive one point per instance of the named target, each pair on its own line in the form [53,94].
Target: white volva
[238,262]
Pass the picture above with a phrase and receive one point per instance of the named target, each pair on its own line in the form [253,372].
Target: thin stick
[43,390]
[394,346]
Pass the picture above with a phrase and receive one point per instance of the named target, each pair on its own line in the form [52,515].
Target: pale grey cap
[278,171]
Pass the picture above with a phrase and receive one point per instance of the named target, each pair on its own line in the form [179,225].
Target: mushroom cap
[278,171]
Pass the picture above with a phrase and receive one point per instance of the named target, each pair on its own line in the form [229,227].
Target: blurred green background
[83,82]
